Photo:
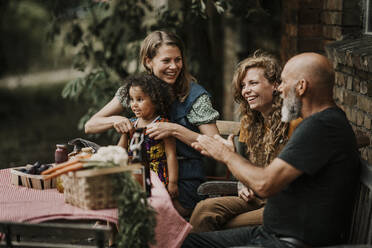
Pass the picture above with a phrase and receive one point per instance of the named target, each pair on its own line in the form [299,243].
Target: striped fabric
[21,204]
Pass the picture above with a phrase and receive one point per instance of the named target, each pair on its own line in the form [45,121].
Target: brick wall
[334,28]
[352,59]
[309,25]
[302,27]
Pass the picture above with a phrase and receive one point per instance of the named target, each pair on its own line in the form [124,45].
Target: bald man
[310,186]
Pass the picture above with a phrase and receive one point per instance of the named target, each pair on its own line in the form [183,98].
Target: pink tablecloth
[21,204]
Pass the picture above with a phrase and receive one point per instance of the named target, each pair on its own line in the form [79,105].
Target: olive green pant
[226,212]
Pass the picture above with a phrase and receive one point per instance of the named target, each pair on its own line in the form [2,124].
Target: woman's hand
[123,125]
[160,130]
[245,193]
[105,118]
[173,189]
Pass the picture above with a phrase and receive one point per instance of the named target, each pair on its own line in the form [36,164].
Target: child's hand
[173,189]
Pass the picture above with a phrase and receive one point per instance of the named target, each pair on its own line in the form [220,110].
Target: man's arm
[263,181]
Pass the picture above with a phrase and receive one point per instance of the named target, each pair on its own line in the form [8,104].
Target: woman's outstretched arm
[162,130]
[108,117]
[202,114]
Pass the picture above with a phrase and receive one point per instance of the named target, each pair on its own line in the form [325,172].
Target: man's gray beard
[292,105]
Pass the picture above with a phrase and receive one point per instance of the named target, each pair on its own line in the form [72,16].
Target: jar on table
[60,156]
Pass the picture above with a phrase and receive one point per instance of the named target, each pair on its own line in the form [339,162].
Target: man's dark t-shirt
[316,207]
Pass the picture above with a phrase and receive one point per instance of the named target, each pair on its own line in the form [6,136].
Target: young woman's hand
[123,125]
[106,118]
[173,189]
[159,130]
[246,194]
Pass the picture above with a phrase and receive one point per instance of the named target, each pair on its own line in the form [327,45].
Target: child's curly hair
[160,92]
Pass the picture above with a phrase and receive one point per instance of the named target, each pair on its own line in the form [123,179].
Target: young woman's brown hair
[149,49]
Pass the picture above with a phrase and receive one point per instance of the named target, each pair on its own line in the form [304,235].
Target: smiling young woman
[263,134]
[162,54]
[258,91]
[167,63]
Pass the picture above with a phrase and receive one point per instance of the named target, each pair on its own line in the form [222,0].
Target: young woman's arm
[202,114]
[170,151]
[108,117]
[163,130]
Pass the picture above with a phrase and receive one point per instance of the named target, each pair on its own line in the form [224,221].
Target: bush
[35,119]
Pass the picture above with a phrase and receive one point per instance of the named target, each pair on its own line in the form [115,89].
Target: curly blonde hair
[264,138]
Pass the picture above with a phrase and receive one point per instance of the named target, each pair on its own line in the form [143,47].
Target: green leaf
[219,8]
[68,90]
[137,219]
[202,6]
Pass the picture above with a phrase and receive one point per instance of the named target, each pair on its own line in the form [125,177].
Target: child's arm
[172,163]
[123,141]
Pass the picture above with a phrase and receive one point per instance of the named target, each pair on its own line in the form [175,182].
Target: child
[150,99]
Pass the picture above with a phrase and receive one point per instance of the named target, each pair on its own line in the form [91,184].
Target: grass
[33,120]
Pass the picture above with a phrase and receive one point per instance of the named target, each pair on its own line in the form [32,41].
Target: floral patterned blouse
[202,111]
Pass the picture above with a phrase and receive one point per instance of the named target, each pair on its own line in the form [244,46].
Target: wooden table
[21,204]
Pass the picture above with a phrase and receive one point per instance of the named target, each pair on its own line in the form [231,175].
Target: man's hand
[229,142]
[215,147]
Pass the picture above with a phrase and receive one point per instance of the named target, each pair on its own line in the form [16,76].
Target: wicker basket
[93,189]
[30,181]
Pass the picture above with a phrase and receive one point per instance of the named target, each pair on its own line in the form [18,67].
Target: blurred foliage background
[101,40]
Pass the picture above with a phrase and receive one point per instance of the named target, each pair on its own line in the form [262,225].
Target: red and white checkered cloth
[21,204]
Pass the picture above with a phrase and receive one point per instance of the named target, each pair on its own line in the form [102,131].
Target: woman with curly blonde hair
[262,131]
[263,134]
